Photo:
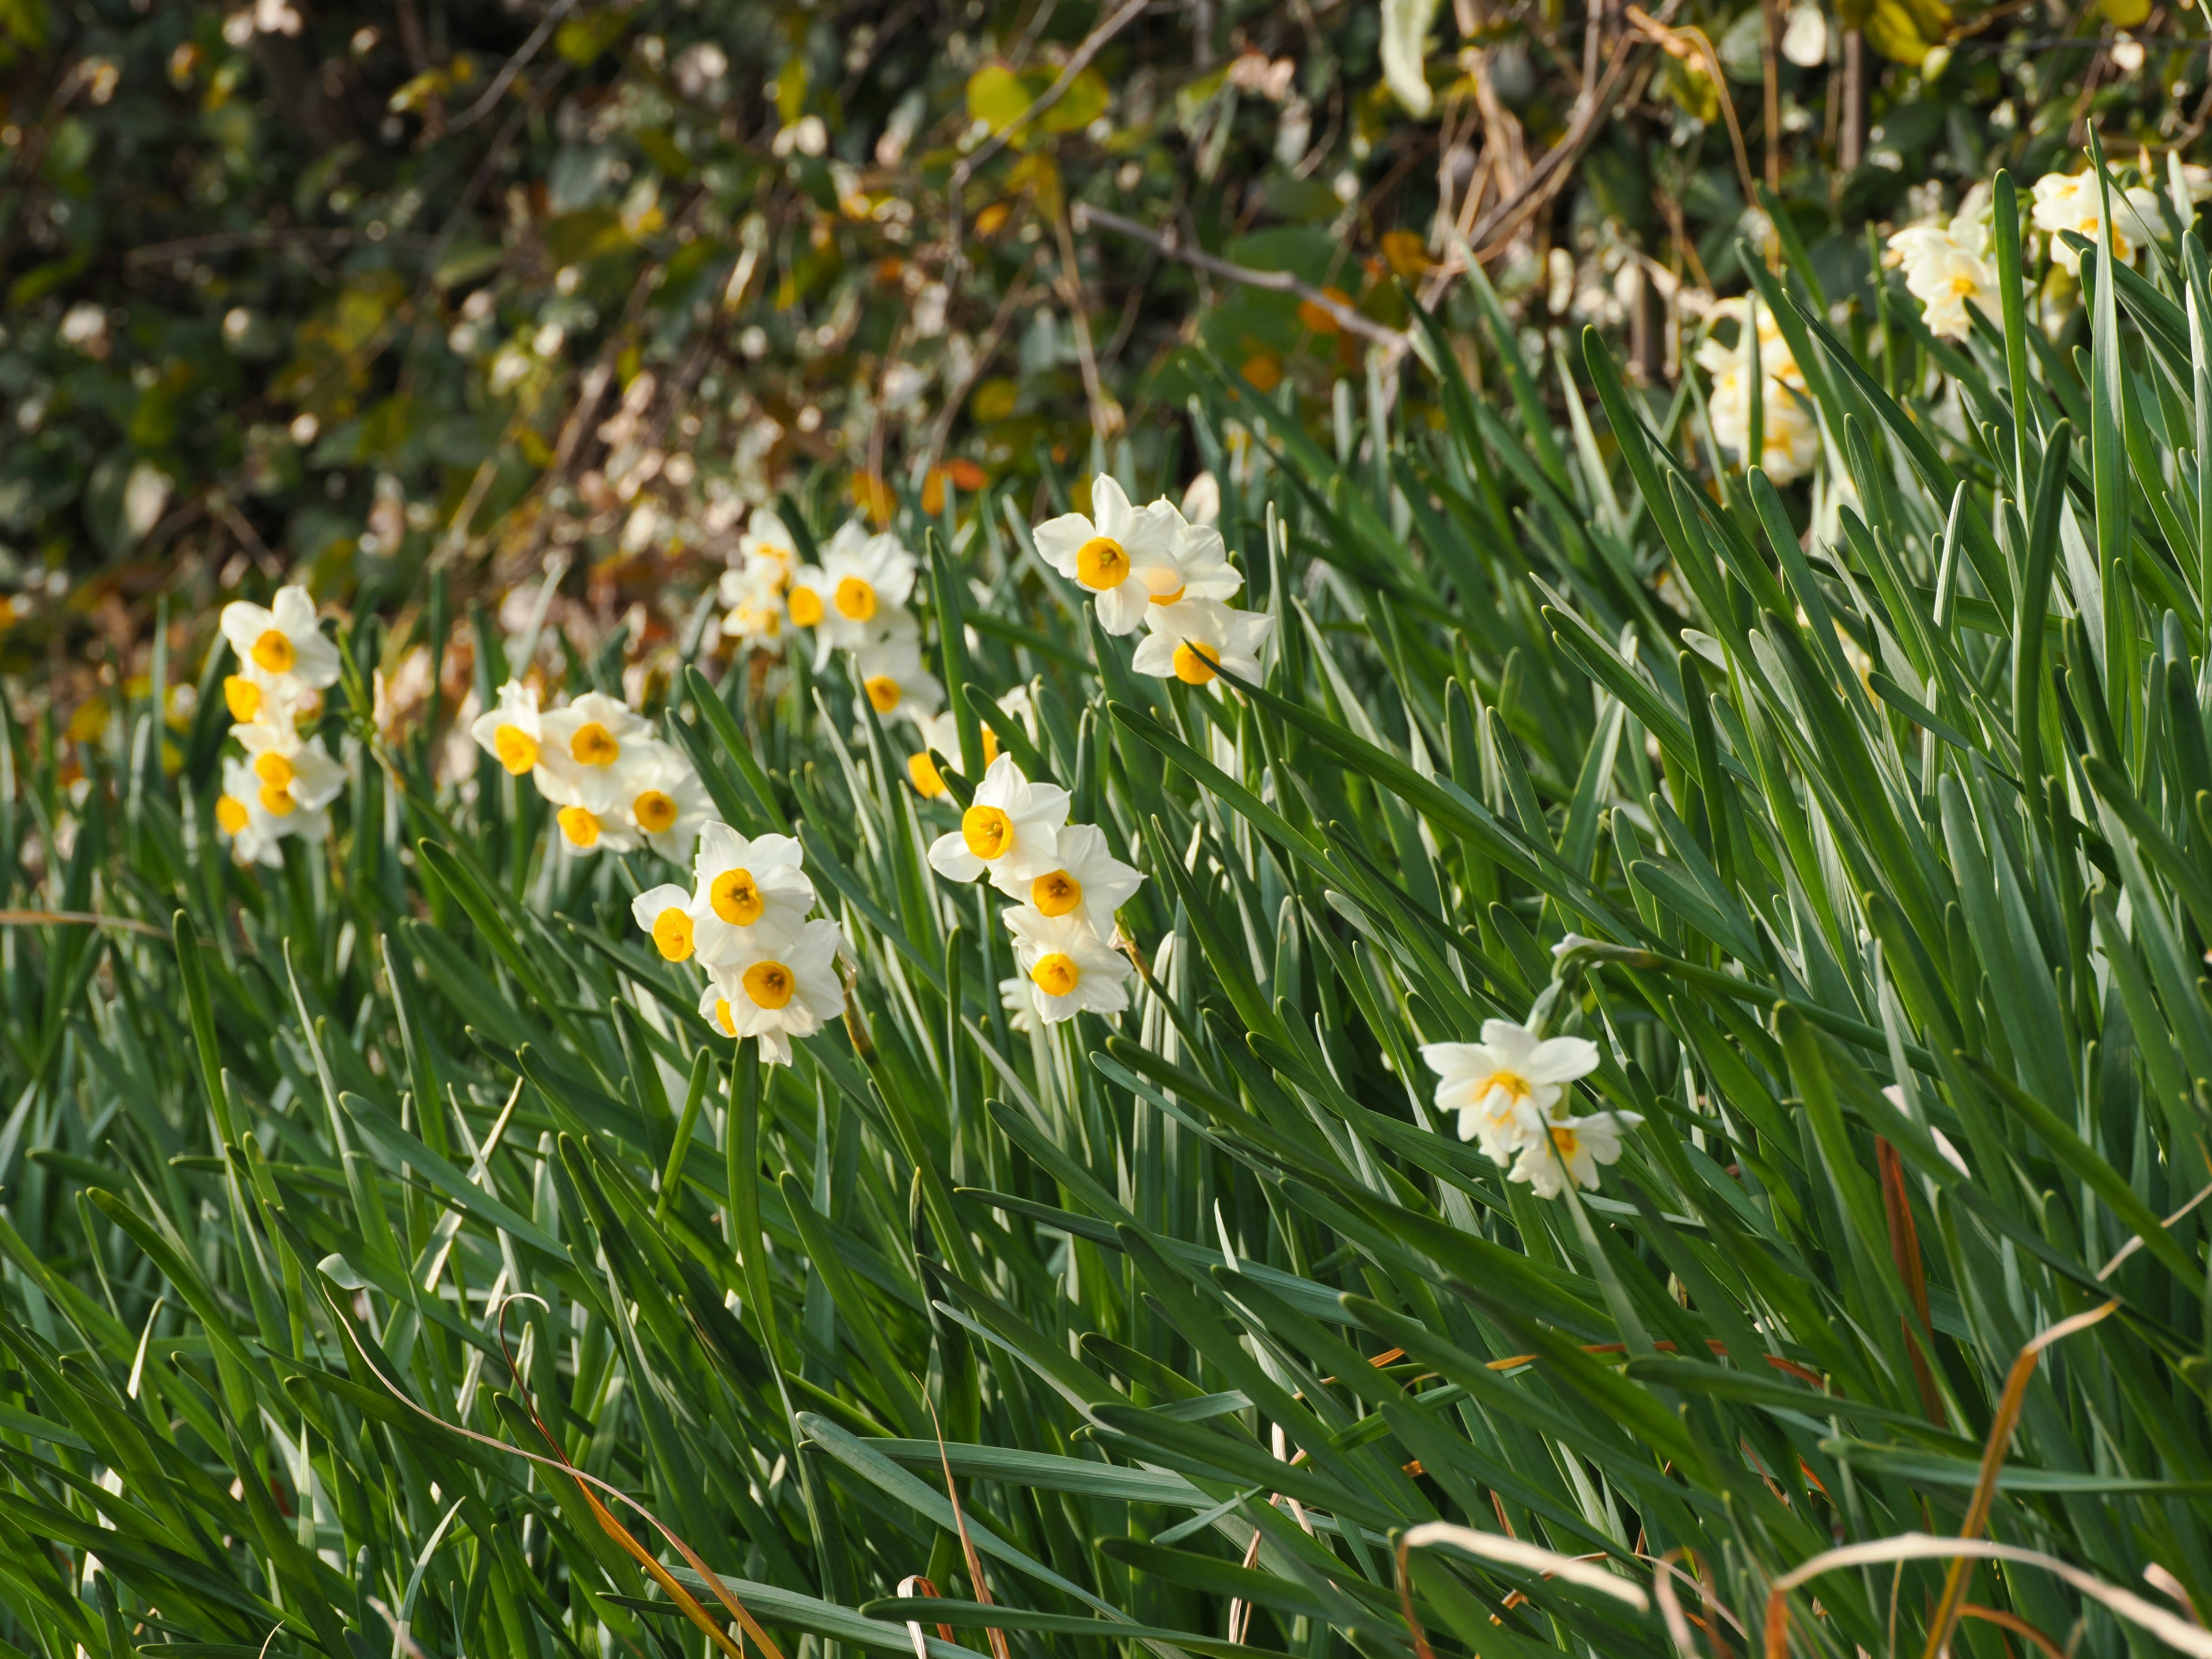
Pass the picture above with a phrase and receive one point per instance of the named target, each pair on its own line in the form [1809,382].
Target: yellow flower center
[654,811]
[1962,285]
[231,814]
[805,606]
[854,599]
[1569,1141]
[1056,894]
[722,1016]
[276,800]
[884,692]
[736,897]
[594,745]
[990,746]
[580,825]
[1194,662]
[1100,564]
[242,695]
[273,652]
[516,749]
[769,984]
[988,831]
[1516,1086]
[1169,599]
[927,778]
[1055,975]
[273,770]
[671,934]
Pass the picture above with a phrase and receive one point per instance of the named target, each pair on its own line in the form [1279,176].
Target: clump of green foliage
[1871,853]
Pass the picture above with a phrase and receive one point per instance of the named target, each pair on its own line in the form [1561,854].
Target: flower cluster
[1068,885]
[771,973]
[1790,436]
[1945,267]
[1511,1092]
[755,584]
[1150,567]
[2072,202]
[282,782]
[616,786]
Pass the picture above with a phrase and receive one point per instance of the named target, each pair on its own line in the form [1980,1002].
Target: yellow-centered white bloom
[898,685]
[778,989]
[665,912]
[746,891]
[1503,1088]
[1070,969]
[1010,833]
[1201,560]
[1571,1148]
[281,646]
[1789,445]
[582,749]
[2072,202]
[754,594]
[861,581]
[767,546]
[1088,881]
[1122,555]
[279,702]
[668,806]
[941,733]
[244,821]
[1193,640]
[1945,267]
[512,733]
[291,776]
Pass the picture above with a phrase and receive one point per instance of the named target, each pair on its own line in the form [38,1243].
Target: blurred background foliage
[342,291]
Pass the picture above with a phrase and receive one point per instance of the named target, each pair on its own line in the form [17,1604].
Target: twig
[1077,61]
[228,241]
[513,67]
[79,918]
[992,337]
[1280,281]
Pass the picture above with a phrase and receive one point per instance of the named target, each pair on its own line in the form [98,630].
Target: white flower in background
[252,831]
[1572,1148]
[942,733]
[1193,640]
[596,825]
[1790,446]
[580,751]
[281,646]
[769,545]
[1011,833]
[1805,39]
[778,989]
[665,912]
[890,671]
[1071,970]
[279,703]
[1503,1088]
[754,594]
[1945,266]
[1201,559]
[1088,882]
[668,806]
[2072,202]
[512,733]
[292,775]
[744,891]
[1019,999]
[861,580]
[1122,555]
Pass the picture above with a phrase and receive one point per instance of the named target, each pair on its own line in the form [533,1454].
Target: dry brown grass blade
[1670,1609]
[1993,1456]
[967,1545]
[2013,1622]
[1904,1250]
[915,1584]
[585,1481]
[2177,1632]
[1506,1551]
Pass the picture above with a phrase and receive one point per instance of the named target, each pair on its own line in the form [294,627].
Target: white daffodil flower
[1193,639]
[861,580]
[668,806]
[513,734]
[2072,202]
[942,733]
[252,831]
[1572,1148]
[1088,882]
[891,671]
[1201,559]
[754,594]
[1009,834]
[767,546]
[1019,999]
[1945,267]
[282,646]
[1789,436]
[1071,969]
[599,824]
[665,912]
[1120,555]
[777,989]
[279,701]
[746,890]
[291,775]
[581,752]
[1503,1088]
